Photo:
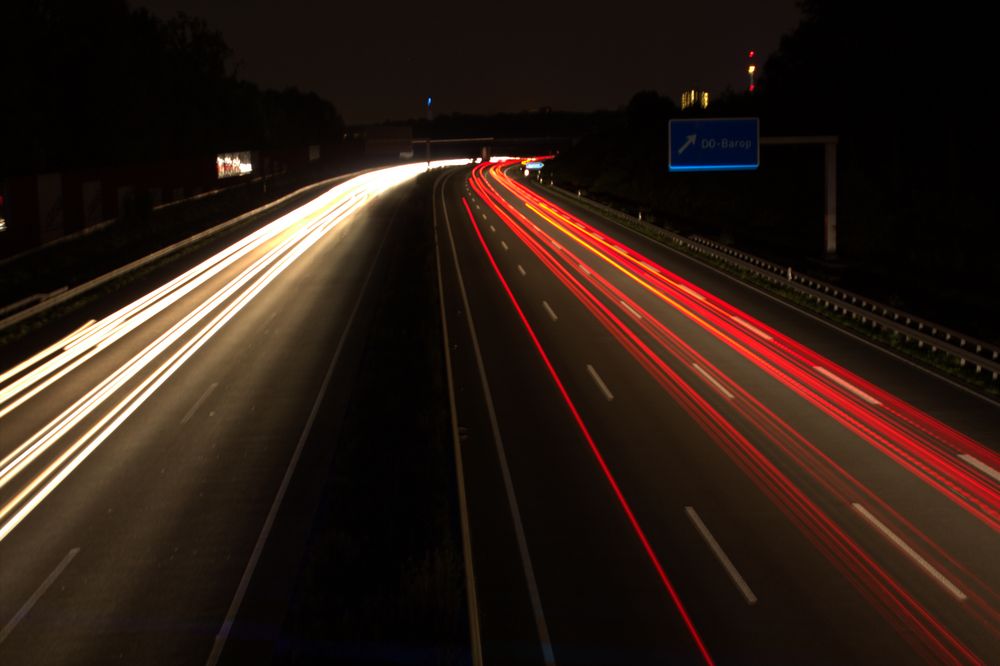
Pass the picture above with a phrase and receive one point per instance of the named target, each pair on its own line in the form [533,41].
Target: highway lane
[847,513]
[127,534]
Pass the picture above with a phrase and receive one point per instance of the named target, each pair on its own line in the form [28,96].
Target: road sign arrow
[691,139]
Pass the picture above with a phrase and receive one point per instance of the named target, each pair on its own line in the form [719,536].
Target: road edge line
[222,636]
[475,634]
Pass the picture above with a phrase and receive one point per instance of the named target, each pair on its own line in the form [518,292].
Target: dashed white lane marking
[631,310]
[549,309]
[909,552]
[521,270]
[750,327]
[720,554]
[981,466]
[715,382]
[691,292]
[586,271]
[492,228]
[33,599]
[846,385]
[198,403]
[648,267]
[504,245]
[600,383]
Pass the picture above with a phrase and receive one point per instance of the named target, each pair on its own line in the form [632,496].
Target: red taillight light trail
[745,334]
[914,443]
[593,447]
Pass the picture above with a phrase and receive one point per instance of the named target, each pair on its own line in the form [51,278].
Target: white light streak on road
[290,236]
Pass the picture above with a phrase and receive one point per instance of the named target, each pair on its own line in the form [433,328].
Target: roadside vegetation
[918,225]
[383,580]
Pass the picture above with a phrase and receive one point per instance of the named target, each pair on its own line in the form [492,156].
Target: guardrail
[962,350]
[64,294]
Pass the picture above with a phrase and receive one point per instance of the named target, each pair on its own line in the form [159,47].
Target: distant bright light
[428,101]
[752,68]
[233,164]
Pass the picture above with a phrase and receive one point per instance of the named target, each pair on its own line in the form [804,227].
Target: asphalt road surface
[666,466]
[660,465]
[145,459]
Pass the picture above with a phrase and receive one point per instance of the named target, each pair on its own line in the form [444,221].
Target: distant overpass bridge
[474,146]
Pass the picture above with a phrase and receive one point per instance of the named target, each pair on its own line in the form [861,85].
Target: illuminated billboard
[228,165]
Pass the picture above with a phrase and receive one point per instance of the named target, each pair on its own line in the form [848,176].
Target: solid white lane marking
[521,270]
[492,228]
[909,552]
[463,510]
[715,382]
[549,309]
[747,325]
[198,403]
[600,383]
[227,624]
[522,543]
[33,599]
[631,310]
[846,385]
[720,554]
[981,466]
[504,245]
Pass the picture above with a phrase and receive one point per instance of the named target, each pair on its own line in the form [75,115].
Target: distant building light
[694,98]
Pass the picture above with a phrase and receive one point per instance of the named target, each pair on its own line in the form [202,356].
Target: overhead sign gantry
[717,144]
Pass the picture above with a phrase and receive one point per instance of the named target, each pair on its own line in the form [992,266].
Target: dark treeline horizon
[906,91]
[99,83]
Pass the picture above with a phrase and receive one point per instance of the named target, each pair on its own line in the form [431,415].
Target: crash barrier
[958,348]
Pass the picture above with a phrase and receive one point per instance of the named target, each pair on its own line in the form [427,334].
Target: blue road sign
[718,144]
[534,166]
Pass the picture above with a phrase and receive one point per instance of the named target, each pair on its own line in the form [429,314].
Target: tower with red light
[751,68]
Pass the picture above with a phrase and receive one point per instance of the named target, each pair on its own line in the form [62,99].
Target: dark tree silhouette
[98,83]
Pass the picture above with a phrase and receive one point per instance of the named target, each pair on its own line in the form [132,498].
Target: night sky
[380,60]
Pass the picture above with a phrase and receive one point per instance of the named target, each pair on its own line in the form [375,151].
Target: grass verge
[383,578]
